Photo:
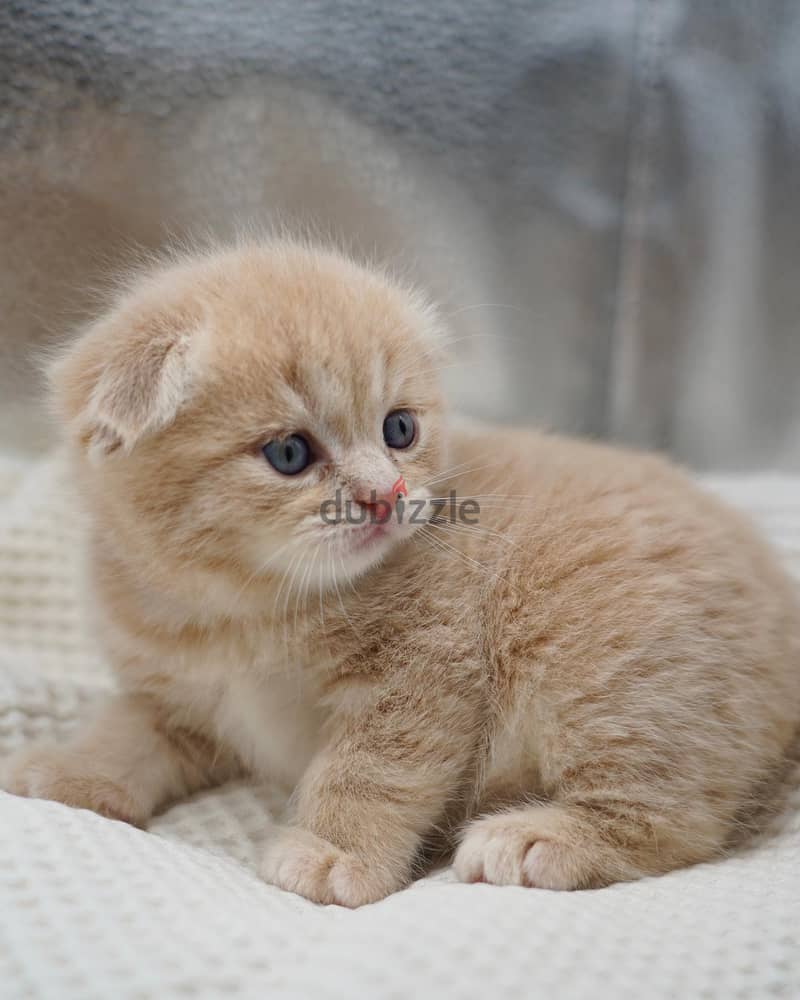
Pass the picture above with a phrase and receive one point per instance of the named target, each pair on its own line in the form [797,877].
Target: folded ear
[127,376]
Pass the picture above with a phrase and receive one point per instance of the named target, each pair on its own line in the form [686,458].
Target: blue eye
[399,429]
[289,456]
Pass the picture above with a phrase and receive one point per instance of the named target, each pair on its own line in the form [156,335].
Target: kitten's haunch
[588,684]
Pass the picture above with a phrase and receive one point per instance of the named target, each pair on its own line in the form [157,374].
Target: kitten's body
[609,654]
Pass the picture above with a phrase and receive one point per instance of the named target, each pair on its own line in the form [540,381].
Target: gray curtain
[603,195]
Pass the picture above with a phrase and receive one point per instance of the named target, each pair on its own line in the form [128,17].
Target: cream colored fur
[591,684]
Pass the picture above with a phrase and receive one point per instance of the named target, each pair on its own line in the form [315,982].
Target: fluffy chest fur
[270,722]
[238,686]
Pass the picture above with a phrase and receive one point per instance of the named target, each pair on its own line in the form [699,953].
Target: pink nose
[380,501]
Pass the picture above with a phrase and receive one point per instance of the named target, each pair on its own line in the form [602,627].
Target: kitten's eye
[399,429]
[290,455]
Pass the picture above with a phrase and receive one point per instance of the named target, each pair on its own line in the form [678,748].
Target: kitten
[590,683]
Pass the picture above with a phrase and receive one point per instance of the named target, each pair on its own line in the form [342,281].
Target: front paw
[57,773]
[302,862]
[523,847]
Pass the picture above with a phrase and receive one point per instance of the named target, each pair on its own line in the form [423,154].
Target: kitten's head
[240,411]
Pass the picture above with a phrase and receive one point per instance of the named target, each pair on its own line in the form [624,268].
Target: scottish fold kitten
[584,681]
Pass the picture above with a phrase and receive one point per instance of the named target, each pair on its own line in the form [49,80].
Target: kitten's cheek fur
[301,862]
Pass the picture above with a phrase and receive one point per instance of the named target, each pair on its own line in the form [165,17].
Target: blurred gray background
[604,194]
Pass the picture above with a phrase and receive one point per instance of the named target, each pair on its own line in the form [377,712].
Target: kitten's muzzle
[380,502]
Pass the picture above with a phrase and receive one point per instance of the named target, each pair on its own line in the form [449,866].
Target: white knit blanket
[91,908]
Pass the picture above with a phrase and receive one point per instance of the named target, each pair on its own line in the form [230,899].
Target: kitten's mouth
[367,535]
[362,543]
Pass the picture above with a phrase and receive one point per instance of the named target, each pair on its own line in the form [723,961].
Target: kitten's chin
[365,546]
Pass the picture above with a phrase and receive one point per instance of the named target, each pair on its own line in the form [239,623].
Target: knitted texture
[91,908]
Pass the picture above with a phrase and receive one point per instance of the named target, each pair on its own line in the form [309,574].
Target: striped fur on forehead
[334,357]
[347,397]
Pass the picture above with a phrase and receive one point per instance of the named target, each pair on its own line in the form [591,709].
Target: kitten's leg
[126,765]
[580,846]
[363,807]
